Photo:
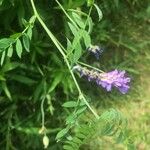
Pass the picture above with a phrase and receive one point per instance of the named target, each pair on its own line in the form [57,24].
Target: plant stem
[60,48]
[42,112]
[66,14]
[90,66]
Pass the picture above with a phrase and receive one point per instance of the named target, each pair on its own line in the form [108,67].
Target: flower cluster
[96,50]
[108,80]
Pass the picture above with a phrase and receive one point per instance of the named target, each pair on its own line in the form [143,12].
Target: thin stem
[88,16]
[90,66]
[66,13]
[42,112]
[84,99]
[60,48]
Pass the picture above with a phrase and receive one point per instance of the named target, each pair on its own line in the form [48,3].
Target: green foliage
[38,96]
[6,44]
[81,35]
[110,122]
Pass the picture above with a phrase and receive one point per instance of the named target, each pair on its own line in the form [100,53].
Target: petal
[108,87]
[103,84]
[124,89]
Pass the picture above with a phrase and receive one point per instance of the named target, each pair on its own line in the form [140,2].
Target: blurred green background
[124,32]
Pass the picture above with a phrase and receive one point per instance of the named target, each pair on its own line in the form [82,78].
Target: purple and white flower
[108,80]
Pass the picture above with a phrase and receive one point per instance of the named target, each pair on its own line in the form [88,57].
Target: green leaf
[71,119]
[1,2]
[19,48]
[80,110]
[26,42]
[80,135]
[100,15]
[90,24]
[77,140]
[82,103]
[68,147]
[77,53]
[23,79]
[55,82]
[76,50]
[3,57]
[24,22]
[69,45]
[6,90]
[120,137]
[2,78]
[5,43]
[73,29]
[32,19]
[78,20]
[70,104]
[16,35]
[61,133]
[87,39]
[9,66]
[90,2]
[29,33]
[10,51]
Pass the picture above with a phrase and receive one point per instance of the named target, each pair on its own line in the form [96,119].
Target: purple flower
[116,79]
[108,80]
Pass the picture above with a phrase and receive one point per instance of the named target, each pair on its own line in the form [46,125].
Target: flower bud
[45,141]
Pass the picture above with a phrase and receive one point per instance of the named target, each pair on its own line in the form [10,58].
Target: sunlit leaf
[5,43]
[87,39]
[2,78]
[73,29]
[80,110]
[19,48]
[90,24]
[71,119]
[78,20]
[32,19]
[10,51]
[29,33]
[90,2]
[70,104]
[3,57]
[77,52]
[10,66]
[100,15]
[1,2]
[26,42]
[55,82]
[61,133]
[16,35]
[6,90]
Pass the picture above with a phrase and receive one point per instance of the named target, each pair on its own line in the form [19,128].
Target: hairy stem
[90,67]
[42,111]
